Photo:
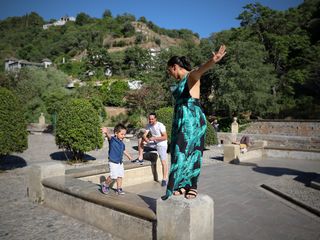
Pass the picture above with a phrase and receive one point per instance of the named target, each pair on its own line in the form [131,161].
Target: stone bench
[125,216]
[232,152]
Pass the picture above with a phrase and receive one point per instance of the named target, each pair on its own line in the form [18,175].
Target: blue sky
[200,16]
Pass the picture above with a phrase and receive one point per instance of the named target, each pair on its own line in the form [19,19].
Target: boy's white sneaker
[120,191]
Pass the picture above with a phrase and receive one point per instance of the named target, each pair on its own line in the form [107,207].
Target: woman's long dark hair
[180,61]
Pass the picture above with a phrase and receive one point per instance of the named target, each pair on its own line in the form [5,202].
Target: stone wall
[300,128]
[293,134]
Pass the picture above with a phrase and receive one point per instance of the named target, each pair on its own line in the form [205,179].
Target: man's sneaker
[104,188]
[120,191]
[135,160]
[163,183]
[140,162]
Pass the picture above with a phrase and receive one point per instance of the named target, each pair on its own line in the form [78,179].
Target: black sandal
[191,193]
[179,192]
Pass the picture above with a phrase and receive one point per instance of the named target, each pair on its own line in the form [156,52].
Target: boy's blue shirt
[116,149]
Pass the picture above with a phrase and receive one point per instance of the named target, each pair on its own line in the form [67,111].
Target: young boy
[116,151]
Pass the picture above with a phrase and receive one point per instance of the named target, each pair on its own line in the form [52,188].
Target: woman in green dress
[188,127]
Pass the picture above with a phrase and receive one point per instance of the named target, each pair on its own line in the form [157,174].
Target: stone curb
[292,200]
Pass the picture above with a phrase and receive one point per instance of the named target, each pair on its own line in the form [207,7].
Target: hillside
[26,37]
[150,40]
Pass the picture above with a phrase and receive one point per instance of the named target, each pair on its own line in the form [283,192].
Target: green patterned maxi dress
[187,140]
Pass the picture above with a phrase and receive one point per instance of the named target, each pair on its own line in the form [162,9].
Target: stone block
[231,152]
[187,219]
[37,173]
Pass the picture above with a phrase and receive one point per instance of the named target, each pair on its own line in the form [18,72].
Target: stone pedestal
[42,120]
[37,173]
[234,126]
[230,152]
[185,219]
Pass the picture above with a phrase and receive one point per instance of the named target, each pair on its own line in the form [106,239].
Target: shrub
[211,135]
[78,128]
[13,126]
[165,115]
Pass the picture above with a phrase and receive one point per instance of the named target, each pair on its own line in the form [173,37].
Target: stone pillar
[42,120]
[231,152]
[234,130]
[185,219]
[234,126]
[37,173]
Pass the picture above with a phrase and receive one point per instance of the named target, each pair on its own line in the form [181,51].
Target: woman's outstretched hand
[217,56]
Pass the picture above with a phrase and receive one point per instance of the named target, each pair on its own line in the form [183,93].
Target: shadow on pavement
[219,158]
[66,156]
[303,177]
[11,162]
[152,203]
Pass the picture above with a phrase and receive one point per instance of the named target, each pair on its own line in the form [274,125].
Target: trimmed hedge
[165,115]
[13,125]
[78,128]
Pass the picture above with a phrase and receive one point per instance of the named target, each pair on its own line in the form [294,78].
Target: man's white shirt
[157,130]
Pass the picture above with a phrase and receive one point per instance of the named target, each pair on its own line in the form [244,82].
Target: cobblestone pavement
[22,219]
[242,210]
[297,191]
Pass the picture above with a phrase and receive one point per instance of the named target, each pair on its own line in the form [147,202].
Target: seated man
[154,138]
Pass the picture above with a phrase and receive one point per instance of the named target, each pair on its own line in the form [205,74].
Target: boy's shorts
[116,170]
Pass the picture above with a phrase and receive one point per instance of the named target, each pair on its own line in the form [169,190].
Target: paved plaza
[243,209]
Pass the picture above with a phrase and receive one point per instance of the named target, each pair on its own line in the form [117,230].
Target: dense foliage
[40,90]
[13,126]
[164,115]
[78,128]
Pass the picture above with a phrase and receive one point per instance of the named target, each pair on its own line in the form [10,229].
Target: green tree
[107,14]
[165,115]
[114,94]
[245,82]
[83,18]
[150,97]
[13,127]
[288,36]
[78,128]
[33,86]
[98,62]
[136,60]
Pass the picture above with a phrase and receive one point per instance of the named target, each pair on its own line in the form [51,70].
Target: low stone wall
[232,153]
[291,154]
[288,142]
[126,216]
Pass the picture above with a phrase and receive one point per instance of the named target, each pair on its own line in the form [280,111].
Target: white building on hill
[12,64]
[62,21]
